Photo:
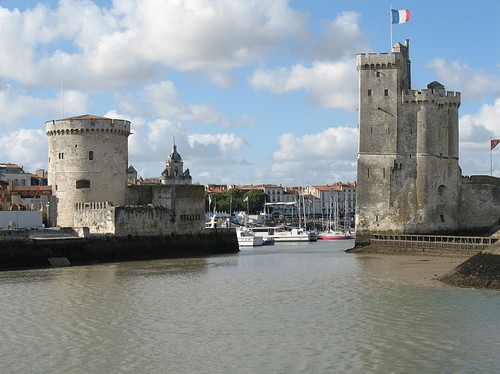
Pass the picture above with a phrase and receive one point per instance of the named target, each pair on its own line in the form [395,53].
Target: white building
[15,173]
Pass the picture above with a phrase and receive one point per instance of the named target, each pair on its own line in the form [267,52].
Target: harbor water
[287,308]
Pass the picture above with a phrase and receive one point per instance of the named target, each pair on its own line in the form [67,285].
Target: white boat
[284,235]
[247,238]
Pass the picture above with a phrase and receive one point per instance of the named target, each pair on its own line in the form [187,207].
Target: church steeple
[174,173]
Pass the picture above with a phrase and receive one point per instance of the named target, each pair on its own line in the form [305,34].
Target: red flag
[494,143]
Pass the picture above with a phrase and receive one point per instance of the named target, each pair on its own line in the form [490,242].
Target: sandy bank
[412,269]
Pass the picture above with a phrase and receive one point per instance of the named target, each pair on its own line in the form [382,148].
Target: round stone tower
[88,160]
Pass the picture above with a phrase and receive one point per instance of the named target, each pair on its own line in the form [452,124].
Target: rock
[480,271]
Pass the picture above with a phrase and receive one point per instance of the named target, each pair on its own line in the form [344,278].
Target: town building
[337,201]
[20,190]
[14,173]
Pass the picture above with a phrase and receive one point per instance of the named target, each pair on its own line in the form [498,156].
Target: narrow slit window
[91,155]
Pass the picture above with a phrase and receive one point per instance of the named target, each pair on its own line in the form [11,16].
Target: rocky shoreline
[480,271]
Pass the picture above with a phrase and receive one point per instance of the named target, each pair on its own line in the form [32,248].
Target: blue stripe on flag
[395,16]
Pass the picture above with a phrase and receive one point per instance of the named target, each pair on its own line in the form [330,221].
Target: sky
[254,91]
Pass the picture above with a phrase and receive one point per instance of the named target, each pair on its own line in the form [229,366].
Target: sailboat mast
[304,203]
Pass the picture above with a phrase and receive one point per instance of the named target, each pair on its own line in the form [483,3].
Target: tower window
[378,74]
[82,183]
[383,173]
[369,92]
[61,155]
[91,155]
[386,92]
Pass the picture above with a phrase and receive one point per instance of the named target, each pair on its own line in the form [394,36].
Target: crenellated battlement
[93,205]
[374,60]
[87,124]
[429,95]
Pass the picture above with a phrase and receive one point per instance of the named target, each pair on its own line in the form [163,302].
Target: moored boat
[280,234]
[334,235]
[247,238]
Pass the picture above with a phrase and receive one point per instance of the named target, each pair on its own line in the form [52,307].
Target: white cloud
[338,143]
[341,38]
[329,81]
[27,145]
[216,146]
[476,129]
[323,157]
[91,47]
[16,106]
[166,102]
[207,35]
[326,85]
[152,140]
[474,84]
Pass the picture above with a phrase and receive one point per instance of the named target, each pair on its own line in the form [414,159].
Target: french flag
[400,16]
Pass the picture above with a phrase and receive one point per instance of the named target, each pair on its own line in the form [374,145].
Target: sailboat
[335,233]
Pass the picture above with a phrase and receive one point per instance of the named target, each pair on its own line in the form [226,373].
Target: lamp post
[48,214]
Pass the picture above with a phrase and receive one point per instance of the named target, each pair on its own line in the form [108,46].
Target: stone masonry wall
[479,204]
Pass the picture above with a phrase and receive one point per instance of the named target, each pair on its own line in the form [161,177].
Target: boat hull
[250,241]
[294,235]
[334,236]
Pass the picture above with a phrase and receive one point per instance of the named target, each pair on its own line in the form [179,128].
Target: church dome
[174,156]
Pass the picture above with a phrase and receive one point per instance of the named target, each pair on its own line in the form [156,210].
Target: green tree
[256,201]
[234,200]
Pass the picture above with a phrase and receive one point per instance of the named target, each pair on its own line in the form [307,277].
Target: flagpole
[62,99]
[390,21]
[491,158]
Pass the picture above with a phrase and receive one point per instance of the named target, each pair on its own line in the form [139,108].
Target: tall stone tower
[174,169]
[88,160]
[408,172]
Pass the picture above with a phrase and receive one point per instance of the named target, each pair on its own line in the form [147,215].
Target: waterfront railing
[431,243]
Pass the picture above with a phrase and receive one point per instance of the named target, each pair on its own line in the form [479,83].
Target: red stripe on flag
[407,15]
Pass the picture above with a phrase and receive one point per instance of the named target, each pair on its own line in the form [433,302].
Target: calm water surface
[291,308]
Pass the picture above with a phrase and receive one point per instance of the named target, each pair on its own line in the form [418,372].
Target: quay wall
[45,252]
[10,235]
[426,244]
